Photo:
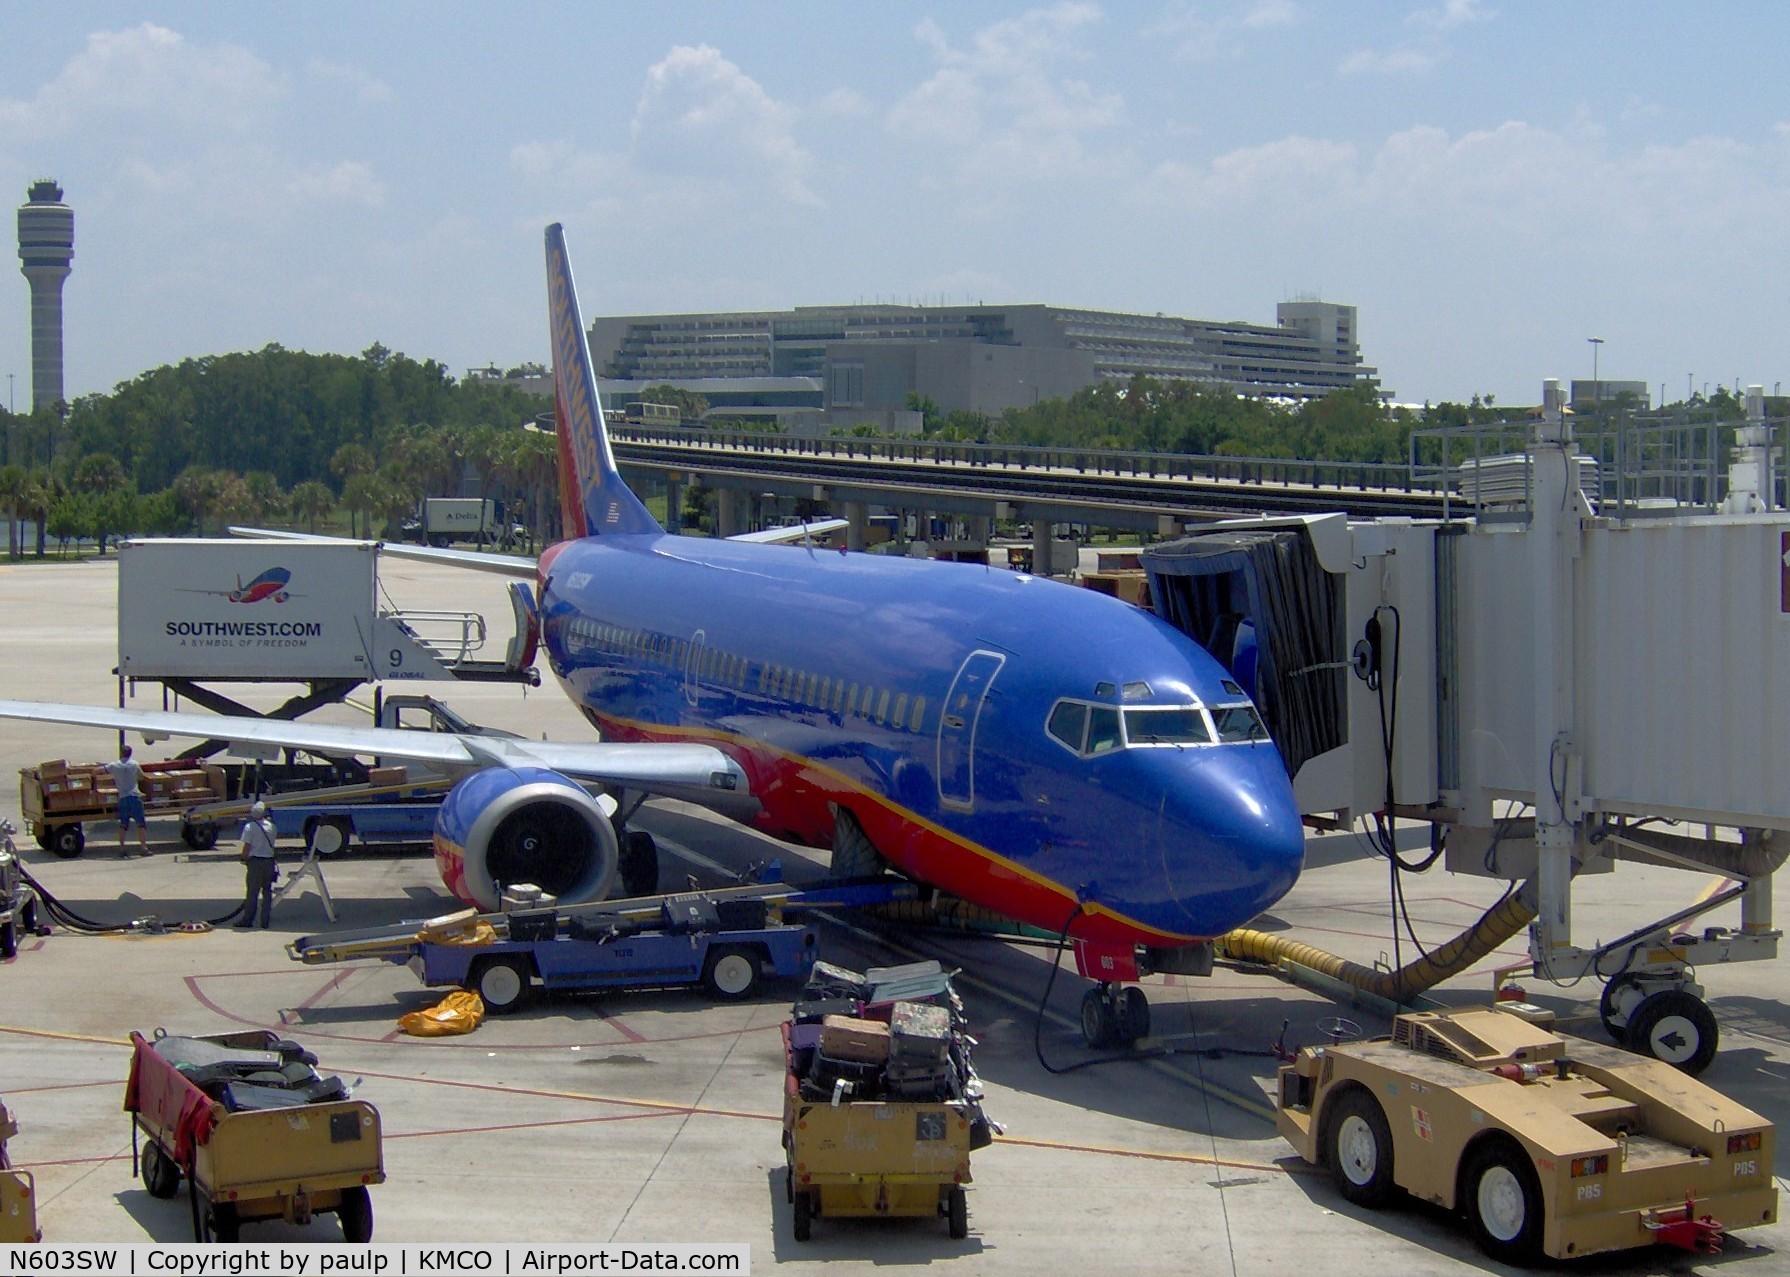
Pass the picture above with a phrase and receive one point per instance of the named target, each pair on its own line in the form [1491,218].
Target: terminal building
[820,367]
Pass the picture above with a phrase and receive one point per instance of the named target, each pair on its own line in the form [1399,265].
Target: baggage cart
[56,797]
[869,1158]
[18,1192]
[247,1151]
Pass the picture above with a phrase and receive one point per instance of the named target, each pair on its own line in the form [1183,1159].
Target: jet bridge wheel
[1609,1007]
[1676,1027]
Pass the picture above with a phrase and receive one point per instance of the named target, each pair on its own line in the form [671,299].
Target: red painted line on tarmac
[62,1086]
[331,983]
[662,1106]
[535,1126]
[619,1027]
[630,1036]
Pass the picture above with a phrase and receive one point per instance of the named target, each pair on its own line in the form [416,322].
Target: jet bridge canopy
[1218,587]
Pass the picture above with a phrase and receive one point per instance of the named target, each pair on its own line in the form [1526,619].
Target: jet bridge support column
[1553,545]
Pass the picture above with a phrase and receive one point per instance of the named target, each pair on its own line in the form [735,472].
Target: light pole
[1597,394]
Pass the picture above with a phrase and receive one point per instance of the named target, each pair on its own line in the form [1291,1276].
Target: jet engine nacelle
[504,826]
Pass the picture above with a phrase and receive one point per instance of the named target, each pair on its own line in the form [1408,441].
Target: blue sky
[1491,183]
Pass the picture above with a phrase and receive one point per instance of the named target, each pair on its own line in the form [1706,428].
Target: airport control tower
[46,246]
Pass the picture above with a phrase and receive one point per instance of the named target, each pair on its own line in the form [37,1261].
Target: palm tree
[311,501]
[533,461]
[264,494]
[13,485]
[360,493]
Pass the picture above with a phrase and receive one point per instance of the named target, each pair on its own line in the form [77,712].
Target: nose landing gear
[1114,1015]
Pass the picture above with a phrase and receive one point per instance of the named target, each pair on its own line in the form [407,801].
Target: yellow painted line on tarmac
[63,1037]
[1298,1167]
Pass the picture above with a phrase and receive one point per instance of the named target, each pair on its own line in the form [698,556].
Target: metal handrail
[436,631]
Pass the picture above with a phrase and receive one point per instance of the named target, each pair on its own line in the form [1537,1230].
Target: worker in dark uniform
[258,855]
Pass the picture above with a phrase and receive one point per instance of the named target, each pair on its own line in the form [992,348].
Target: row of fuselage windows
[883,706]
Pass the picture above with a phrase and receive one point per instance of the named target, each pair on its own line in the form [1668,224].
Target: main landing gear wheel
[1360,1150]
[1503,1200]
[639,868]
[853,854]
[502,984]
[1676,1027]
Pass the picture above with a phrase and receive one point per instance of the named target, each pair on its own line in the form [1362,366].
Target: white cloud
[1004,103]
[1518,179]
[1422,55]
[1403,60]
[367,88]
[125,79]
[1270,13]
[701,114]
[1449,15]
[253,182]
[1194,34]
[842,104]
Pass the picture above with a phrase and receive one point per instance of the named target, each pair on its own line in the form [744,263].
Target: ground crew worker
[258,854]
[128,777]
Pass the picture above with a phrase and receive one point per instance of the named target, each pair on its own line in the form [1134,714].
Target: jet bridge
[1586,662]
[193,612]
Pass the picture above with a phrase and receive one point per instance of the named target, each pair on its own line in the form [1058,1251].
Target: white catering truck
[242,610]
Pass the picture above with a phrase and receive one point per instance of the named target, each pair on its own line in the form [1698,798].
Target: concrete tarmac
[654,1117]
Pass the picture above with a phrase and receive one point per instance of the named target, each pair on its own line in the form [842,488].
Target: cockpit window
[1069,723]
[1103,729]
[1176,725]
[1238,723]
[1089,729]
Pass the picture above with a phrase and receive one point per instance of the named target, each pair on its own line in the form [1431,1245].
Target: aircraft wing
[514,565]
[796,532]
[675,769]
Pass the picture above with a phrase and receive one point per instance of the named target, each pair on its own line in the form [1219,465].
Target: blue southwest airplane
[1051,754]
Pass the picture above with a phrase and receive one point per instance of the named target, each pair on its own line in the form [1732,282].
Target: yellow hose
[1500,923]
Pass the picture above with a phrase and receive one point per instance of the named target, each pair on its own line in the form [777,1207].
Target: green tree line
[316,440]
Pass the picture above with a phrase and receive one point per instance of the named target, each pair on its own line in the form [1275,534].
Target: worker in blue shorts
[128,777]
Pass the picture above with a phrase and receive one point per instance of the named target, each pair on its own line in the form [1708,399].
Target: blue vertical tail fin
[593,500]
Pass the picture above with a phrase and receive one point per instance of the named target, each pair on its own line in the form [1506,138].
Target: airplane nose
[1230,840]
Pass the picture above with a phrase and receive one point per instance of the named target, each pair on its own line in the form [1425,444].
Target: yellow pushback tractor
[1550,1145]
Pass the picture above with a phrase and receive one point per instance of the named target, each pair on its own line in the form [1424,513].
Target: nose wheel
[1114,1015]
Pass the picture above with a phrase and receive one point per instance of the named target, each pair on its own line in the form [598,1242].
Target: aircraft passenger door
[693,665]
[957,728]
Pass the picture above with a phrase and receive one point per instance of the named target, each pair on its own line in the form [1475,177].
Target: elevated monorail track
[1075,485]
